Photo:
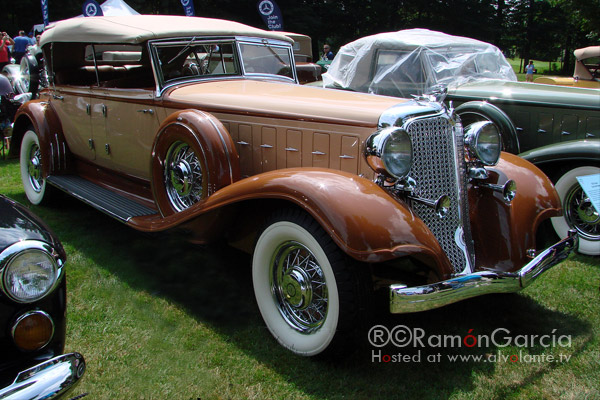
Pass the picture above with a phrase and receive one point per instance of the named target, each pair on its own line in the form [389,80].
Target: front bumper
[47,380]
[421,298]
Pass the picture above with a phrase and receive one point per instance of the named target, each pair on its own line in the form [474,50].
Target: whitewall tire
[578,212]
[34,183]
[296,272]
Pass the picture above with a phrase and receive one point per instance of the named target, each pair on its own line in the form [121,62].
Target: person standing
[529,68]
[327,53]
[20,46]
[5,41]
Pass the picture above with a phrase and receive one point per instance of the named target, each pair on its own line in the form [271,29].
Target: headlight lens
[389,151]
[29,275]
[483,141]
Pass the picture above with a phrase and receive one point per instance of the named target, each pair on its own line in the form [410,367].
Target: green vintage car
[482,85]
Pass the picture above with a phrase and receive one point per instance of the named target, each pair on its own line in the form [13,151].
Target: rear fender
[55,151]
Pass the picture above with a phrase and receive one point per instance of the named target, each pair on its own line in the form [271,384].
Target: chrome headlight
[30,271]
[483,142]
[389,152]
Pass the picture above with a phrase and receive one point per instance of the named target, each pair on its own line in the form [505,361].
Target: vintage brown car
[200,126]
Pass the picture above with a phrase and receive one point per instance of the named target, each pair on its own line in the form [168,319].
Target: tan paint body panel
[300,103]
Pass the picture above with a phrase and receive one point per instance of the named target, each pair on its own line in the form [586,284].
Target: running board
[109,202]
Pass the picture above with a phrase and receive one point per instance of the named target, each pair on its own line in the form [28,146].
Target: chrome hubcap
[299,287]
[183,176]
[34,169]
[581,214]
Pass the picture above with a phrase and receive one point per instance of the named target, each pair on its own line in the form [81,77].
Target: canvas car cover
[413,61]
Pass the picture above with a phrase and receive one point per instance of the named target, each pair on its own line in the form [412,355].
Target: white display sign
[591,186]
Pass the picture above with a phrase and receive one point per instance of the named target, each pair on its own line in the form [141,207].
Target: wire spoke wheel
[578,211]
[299,287]
[183,176]
[581,214]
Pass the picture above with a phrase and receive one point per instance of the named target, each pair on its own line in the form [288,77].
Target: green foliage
[541,29]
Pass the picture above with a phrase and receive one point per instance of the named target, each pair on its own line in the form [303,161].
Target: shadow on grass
[213,283]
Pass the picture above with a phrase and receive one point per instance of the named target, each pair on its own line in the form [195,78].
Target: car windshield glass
[189,60]
[266,59]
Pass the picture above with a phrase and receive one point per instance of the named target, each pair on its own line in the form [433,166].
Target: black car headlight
[389,152]
[29,271]
[483,142]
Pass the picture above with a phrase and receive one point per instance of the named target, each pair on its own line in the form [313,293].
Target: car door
[72,105]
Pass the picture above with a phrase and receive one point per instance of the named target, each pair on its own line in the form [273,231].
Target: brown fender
[210,141]
[504,232]
[46,124]
[361,217]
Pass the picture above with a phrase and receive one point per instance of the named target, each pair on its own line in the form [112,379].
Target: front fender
[41,116]
[503,232]
[498,117]
[587,150]
[364,220]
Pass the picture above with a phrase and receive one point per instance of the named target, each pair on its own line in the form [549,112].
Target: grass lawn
[157,318]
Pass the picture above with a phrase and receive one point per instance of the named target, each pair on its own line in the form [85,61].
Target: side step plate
[109,202]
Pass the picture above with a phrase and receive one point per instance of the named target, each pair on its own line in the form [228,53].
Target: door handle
[147,111]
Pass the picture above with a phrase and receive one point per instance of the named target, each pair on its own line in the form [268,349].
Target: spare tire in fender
[193,156]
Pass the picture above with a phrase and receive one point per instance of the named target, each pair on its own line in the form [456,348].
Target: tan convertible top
[587,52]
[135,29]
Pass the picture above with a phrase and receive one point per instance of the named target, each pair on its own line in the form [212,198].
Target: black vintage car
[32,309]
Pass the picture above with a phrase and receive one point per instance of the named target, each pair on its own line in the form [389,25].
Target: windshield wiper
[185,48]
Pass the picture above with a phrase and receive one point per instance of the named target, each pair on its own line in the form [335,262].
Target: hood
[284,100]
[523,92]
[18,223]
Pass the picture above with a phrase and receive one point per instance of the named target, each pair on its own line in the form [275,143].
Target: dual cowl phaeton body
[200,125]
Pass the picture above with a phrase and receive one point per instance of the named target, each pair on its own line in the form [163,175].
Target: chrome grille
[438,159]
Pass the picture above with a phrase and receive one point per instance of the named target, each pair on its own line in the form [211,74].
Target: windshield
[185,60]
[266,59]
[188,59]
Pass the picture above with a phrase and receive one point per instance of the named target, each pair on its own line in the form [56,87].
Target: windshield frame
[240,72]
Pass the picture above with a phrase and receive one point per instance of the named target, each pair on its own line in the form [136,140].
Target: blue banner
[45,12]
[91,8]
[271,14]
[188,7]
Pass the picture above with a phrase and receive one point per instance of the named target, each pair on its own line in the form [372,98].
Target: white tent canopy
[117,7]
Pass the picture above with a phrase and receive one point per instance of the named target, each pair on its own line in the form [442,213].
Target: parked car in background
[29,76]
[306,70]
[200,125]
[586,74]
[32,309]
[481,84]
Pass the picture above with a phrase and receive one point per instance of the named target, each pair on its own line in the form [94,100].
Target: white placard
[591,186]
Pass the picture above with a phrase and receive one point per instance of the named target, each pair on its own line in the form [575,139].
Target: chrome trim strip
[421,298]
[47,380]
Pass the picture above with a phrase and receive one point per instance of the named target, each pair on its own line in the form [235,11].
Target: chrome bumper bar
[421,298]
[47,380]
